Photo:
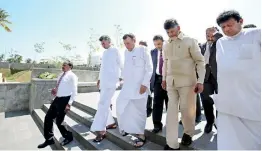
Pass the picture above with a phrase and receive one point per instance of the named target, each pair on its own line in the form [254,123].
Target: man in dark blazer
[208,50]
[160,95]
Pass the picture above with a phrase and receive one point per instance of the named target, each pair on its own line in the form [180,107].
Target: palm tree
[3,20]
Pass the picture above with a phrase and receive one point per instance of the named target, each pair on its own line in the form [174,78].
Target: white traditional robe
[109,76]
[239,91]
[131,105]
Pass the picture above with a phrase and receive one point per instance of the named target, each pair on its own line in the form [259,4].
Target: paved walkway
[18,131]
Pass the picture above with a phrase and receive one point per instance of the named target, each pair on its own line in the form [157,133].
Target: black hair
[69,63]
[170,23]
[144,43]
[105,37]
[130,35]
[250,26]
[158,37]
[226,15]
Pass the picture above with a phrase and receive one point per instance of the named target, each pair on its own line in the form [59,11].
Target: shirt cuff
[70,102]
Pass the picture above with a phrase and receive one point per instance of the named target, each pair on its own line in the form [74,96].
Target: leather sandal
[111,126]
[99,137]
[139,140]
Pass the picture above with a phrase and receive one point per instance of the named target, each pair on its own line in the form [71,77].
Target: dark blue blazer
[154,54]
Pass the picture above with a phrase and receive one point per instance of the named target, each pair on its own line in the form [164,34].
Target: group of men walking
[177,73]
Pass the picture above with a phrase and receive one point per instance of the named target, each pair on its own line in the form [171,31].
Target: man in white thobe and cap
[132,100]
[108,78]
[239,77]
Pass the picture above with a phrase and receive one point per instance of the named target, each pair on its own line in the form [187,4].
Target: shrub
[47,75]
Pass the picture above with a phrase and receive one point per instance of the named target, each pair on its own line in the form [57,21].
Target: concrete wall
[27,66]
[24,96]
[14,96]
[83,75]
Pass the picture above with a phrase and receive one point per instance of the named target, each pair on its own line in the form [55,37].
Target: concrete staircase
[79,119]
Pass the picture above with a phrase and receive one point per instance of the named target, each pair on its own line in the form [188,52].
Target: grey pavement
[18,131]
[201,140]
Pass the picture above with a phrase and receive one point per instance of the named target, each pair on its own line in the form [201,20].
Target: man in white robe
[239,91]
[108,78]
[132,100]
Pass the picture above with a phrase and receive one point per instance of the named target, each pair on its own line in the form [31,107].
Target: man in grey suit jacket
[208,49]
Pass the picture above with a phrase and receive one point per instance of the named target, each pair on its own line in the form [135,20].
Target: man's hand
[199,88]
[164,85]
[53,91]
[67,108]
[142,89]
[98,84]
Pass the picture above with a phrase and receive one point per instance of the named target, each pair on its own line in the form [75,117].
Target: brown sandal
[139,140]
[99,138]
[111,126]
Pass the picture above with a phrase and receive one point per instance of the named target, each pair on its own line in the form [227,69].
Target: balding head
[210,33]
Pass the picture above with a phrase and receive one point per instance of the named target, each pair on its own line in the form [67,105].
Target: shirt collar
[180,36]
[235,36]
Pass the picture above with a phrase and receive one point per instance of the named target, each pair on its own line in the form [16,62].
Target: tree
[68,49]
[28,60]
[15,58]
[2,57]
[39,47]
[92,44]
[4,21]
[118,36]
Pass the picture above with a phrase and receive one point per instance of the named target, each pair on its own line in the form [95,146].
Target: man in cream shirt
[182,59]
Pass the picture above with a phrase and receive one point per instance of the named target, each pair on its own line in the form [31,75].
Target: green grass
[5,72]
[19,76]
[22,76]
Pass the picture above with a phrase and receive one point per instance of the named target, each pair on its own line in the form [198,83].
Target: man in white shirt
[132,100]
[149,99]
[65,93]
[239,77]
[109,76]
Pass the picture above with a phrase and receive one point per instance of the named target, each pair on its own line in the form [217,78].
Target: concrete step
[113,135]
[83,134]
[158,138]
[39,115]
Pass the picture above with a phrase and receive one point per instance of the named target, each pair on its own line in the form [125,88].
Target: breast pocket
[182,51]
[138,61]
[246,51]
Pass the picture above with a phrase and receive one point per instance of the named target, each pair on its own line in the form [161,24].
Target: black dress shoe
[186,140]
[156,130]
[66,141]
[46,143]
[208,128]
[169,148]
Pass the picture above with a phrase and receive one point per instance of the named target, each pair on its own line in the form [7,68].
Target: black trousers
[160,96]
[56,111]
[198,108]
[149,105]
[207,101]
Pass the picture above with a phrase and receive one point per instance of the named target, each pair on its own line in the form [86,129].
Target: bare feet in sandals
[100,136]
[139,141]
[111,126]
